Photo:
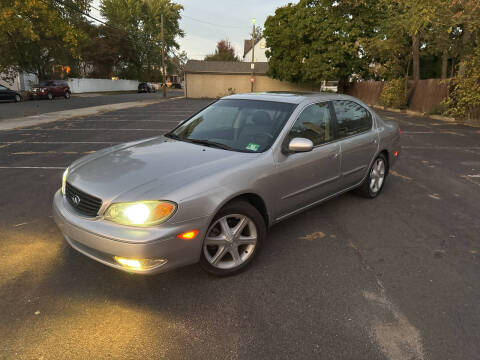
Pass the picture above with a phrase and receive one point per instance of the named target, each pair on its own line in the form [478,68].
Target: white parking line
[441,147]
[88,129]
[59,142]
[34,167]
[417,132]
[131,120]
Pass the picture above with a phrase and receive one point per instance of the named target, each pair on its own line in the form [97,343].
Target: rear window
[352,118]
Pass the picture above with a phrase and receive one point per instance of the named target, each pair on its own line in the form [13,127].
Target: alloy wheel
[230,241]
[17,98]
[377,175]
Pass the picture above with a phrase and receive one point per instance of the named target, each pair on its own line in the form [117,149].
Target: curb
[420,114]
[21,122]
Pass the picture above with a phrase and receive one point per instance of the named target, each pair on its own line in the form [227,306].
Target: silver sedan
[208,190]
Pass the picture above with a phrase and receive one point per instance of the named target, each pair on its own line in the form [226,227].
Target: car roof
[290,97]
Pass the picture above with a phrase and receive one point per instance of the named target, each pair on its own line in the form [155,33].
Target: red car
[50,89]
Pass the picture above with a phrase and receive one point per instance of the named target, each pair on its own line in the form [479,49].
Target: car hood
[132,171]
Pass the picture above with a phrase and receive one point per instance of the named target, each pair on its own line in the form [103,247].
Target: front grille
[84,203]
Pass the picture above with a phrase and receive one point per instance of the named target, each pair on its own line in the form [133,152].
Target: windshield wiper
[209,143]
[173,136]
[199,141]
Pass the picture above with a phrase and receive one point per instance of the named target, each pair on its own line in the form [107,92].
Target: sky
[205,22]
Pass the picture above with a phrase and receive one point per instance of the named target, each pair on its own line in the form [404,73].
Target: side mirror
[300,145]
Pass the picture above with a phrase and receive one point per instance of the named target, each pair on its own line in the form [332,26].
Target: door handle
[374,141]
[335,156]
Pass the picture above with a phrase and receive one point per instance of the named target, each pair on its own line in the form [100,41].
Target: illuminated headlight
[140,213]
[64,181]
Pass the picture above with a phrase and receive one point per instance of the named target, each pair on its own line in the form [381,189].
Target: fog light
[139,264]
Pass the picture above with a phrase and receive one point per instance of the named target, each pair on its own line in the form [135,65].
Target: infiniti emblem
[75,199]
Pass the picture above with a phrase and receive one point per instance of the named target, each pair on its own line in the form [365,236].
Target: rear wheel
[233,239]
[18,98]
[67,94]
[50,96]
[373,184]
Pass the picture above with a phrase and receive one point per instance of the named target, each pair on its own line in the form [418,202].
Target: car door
[359,140]
[3,93]
[56,88]
[307,177]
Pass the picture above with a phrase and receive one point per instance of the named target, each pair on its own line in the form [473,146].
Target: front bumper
[103,240]
[39,94]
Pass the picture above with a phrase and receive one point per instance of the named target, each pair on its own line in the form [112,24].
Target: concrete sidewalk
[27,121]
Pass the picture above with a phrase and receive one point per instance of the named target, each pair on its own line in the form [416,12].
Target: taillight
[399,131]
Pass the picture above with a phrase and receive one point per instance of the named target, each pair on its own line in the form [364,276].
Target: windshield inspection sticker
[253,147]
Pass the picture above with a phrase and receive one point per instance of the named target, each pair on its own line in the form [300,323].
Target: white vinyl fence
[97,85]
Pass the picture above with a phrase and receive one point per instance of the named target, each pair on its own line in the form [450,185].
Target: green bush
[393,94]
[464,99]
[440,109]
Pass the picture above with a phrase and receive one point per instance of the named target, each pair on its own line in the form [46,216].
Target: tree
[468,16]
[176,63]
[410,18]
[464,100]
[140,22]
[37,35]
[107,54]
[317,40]
[224,52]
[257,31]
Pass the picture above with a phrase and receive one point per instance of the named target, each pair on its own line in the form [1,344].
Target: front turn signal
[188,235]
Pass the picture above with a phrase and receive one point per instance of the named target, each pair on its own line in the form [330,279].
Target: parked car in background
[146,87]
[8,94]
[49,89]
[209,189]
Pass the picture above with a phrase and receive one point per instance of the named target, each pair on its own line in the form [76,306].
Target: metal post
[252,79]
[164,85]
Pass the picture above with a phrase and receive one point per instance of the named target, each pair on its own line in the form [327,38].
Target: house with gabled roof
[260,48]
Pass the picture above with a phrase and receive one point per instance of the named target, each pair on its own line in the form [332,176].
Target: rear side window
[352,118]
[314,123]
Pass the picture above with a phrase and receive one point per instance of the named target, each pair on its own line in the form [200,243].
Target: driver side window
[314,123]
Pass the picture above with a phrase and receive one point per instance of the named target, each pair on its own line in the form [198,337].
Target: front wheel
[373,184]
[233,239]
[50,96]
[18,98]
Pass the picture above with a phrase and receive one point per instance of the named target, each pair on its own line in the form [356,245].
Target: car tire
[17,98]
[50,96]
[242,243]
[375,180]
[67,94]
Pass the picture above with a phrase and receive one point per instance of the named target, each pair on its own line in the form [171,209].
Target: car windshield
[239,125]
[45,83]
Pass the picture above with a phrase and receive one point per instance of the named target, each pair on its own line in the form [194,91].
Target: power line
[212,24]
[93,7]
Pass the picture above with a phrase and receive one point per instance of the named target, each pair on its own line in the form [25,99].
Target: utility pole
[252,66]
[164,85]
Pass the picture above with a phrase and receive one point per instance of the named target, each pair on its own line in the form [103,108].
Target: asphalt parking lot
[396,277]
[35,107]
